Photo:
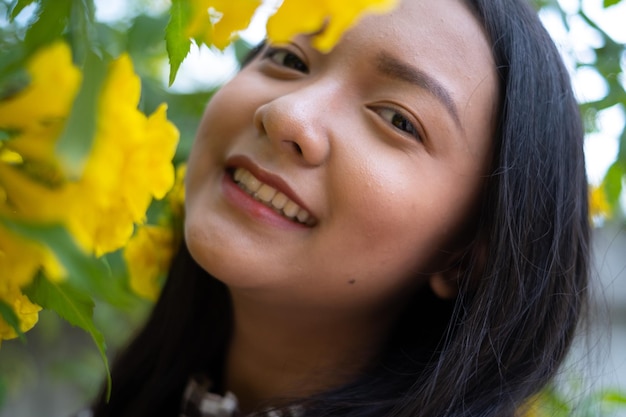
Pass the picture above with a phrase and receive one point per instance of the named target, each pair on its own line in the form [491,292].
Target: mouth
[271,197]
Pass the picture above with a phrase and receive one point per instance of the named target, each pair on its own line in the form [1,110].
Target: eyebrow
[392,67]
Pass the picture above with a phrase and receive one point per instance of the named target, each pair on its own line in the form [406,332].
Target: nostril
[297,148]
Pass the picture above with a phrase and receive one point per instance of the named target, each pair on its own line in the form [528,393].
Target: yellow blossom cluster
[328,17]
[19,260]
[129,164]
[34,118]
[599,206]
[216,22]
[150,250]
[147,256]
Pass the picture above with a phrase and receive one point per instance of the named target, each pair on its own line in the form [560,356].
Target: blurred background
[57,370]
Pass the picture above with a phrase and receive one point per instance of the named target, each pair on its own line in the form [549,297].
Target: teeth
[279,200]
[291,209]
[302,216]
[271,197]
[265,193]
[238,174]
[252,184]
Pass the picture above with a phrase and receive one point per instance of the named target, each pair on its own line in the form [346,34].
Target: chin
[221,260]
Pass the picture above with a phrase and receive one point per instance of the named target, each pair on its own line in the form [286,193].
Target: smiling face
[344,180]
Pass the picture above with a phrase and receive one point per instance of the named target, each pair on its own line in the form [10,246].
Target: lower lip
[255,209]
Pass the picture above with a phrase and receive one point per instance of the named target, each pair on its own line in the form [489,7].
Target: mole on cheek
[352,281]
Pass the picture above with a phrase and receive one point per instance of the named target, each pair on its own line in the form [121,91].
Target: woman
[396,228]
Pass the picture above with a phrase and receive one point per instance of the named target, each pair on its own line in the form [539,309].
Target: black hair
[504,336]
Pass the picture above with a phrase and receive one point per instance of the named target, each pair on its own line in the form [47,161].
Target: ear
[467,264]
[445,284]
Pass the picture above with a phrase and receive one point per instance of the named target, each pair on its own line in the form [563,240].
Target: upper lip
[268,178]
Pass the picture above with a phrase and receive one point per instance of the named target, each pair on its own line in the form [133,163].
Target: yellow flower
[236,16]
[531,410]
[19,261]
[599,206]
[27,199]
[296,17]
[538,406]
[129,164]
[35,116]
[176,195]
[148,255]
[27,312]
[216,22]
[200,26]
[38,112]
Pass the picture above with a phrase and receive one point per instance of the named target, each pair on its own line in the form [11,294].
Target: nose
[297,124]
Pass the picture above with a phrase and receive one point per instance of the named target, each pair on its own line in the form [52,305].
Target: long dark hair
[510,328]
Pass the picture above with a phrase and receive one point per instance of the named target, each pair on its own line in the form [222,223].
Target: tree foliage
[608,61]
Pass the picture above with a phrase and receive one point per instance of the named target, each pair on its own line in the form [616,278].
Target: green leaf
[19,6]
[89,274]
[615,397]
[621,154]
[75,142]
[4,135]
[73,306]
[13,83]
[609,3]
[50,24]
[242,50]
[80,267]
[613,183]
[146,32]
[9,316]
[82,30]
[553,401]
[12,60]
[176,42]
[3,391]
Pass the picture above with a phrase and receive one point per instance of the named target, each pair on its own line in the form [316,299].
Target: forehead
[441,37]
[429,20]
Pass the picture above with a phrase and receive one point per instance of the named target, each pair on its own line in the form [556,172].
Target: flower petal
[236,16]
[147,256]
[50,94]
[330,18]
[130,163]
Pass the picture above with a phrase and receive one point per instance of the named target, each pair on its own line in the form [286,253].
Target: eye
[286,58]
[398,121]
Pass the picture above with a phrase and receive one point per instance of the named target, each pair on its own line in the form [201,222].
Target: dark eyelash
[293,62]
[403,124]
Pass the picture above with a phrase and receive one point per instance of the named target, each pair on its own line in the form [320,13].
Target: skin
[390,167]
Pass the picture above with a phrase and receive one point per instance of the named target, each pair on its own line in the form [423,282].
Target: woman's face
[344,180]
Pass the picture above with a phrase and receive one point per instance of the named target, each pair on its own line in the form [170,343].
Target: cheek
[378,253]
[402,219]
[387,232]
[224,119]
